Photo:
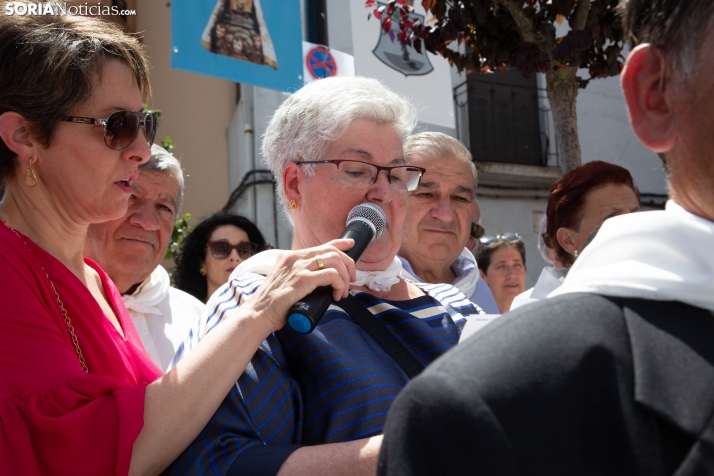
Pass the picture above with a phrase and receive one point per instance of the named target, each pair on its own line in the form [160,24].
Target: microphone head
[370,214]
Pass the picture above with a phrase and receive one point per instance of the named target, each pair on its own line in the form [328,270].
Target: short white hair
[321,112]
[164,161]
[438,144]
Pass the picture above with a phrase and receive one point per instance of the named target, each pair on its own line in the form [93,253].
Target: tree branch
[580,17]
[525,24]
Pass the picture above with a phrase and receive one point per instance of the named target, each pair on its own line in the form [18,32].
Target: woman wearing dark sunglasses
[78,392]
[213,250]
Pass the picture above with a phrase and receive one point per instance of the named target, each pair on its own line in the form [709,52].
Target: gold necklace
[60,303]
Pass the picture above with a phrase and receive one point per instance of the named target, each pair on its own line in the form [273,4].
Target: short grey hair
[164,161]
[321,112]
[430,144]
[677,28]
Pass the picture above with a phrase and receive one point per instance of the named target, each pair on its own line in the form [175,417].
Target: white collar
[383,280]
[660,255]
[150,293]
[464,267]
[549,280]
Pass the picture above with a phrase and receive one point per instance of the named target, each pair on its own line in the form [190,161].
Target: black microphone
[365,224]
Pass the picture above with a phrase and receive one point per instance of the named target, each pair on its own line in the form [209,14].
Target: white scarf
[660,255]
[151,292]
[466,283]
[263,263]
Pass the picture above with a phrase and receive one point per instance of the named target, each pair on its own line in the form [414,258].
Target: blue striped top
[332,385]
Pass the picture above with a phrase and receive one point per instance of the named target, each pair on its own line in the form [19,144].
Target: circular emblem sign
[320,63]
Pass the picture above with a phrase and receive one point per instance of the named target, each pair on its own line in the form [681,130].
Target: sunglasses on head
[122,127]
[223,249]
[477,230]
[488,239]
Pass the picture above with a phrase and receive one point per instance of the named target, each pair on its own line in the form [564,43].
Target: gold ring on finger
[320,264]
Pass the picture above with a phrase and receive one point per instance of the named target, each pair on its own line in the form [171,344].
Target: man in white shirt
[439,216]
[130,249]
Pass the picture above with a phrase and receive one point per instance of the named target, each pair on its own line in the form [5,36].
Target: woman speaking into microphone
[316,403]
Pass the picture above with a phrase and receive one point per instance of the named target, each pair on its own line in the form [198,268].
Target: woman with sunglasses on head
[579,202]
[213,250]
[502,263]
[78,392]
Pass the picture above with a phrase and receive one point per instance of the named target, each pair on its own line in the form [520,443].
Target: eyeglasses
[358,174]
[488,239]
[477,230]
[223,249]
[122,127]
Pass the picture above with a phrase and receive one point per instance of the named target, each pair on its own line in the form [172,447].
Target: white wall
[605,134]
[259,203]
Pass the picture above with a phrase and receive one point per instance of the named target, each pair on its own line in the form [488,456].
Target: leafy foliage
[148,109]
[168,144]
[515,33]
[182,228]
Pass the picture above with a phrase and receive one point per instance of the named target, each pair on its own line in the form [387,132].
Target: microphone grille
[372,215]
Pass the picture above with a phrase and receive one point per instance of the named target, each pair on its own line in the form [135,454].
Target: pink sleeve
[54,417]
[87,426]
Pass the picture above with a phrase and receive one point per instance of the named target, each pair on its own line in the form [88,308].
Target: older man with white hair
[130,249]
[439,218]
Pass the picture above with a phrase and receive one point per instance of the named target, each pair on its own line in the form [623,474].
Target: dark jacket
[576,385]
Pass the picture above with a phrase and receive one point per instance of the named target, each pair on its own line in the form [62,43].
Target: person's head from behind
[666,83]
[349,126]
[61,77]
[212,251]
[440,211]
[502,263]
[131,247]
[581,201]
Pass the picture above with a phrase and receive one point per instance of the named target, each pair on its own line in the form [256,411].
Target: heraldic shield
[394,54]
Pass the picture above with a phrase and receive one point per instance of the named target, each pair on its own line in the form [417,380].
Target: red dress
[54,417]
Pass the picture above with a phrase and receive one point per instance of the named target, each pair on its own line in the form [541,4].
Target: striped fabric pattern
[332,385]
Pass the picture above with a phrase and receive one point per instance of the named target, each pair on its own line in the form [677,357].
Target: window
[504,119]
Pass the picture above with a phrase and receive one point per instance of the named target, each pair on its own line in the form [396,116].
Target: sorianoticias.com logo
[57,8]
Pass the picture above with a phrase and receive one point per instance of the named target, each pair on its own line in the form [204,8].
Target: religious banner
[237,29]
[248,41]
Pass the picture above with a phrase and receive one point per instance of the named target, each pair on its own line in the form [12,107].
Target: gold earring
[30,177]
[293,205]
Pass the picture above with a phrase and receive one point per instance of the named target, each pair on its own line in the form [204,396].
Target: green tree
[182,228]
[495,34]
